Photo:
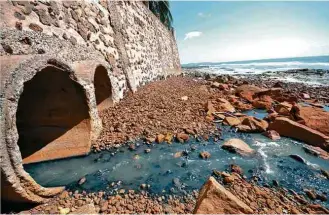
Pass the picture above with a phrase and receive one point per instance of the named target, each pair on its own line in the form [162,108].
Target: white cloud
[204,15]
[192,34]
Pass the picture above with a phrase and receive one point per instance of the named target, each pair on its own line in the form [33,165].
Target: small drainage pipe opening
[103,89]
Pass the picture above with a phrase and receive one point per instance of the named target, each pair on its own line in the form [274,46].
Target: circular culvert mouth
[103,88]
[52,117]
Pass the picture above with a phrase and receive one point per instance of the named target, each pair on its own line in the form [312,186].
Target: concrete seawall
[62,63]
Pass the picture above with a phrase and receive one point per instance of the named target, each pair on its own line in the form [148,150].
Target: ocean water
[266,66]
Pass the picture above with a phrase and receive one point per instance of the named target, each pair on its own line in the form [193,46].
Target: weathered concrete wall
[96,52]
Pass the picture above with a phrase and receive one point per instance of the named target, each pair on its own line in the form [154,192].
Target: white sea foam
[262,151]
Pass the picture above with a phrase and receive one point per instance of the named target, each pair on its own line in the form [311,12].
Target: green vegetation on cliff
[162,10]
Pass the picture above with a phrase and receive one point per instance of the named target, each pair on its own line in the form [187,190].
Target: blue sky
[228,31]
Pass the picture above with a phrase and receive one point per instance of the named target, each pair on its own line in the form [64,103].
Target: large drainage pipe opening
[103,89]
[52,117]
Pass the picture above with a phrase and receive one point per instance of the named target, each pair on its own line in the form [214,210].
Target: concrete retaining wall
[85,53]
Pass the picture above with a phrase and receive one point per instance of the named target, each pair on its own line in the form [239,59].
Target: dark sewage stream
[124,169]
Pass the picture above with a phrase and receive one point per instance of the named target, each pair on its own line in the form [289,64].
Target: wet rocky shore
[180,108]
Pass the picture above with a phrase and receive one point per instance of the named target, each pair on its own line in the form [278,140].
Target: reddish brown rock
[35,27]
[182,137]
[238,146]
[315,118]
[178,154]
[283,108]
[223,87]
[247,92]
[160,138]
[242,106]
[231,121]
[288,128]
[316,151]
[263,102]
[255,124]
[168,138]
[205,155]
[235,168]
[209,107]
[271,117]
[215,199]
[224,105]
[272,134]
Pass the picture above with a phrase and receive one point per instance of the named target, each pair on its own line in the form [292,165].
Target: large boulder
[289,128]
[315,118]
[238,146]
[215,199]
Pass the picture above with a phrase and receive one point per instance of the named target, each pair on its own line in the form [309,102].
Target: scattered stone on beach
[315,151]
[168,138]
[283,108]
[272,134]
[219,116]
[231,121]
[184,98]
[63,210]
[325,173]
[310,194]
[215,84]
[147,150]
[160,138]
[205,155]
[271,117]
[224,105]
[305,96]
[132,147]
[150,139]
[86,209]
[182,137]
[238,146]
[263,102]
[82,180]
[298,158]
[247,92]
[235,168]
[209,107]
[255,124]
[178,154]
[321,197]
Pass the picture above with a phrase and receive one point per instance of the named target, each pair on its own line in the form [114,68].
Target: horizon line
[234,61]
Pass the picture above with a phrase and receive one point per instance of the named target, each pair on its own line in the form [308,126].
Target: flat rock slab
[215,199]
[288,128]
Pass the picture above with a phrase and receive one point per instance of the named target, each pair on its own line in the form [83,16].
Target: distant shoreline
[258,60]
